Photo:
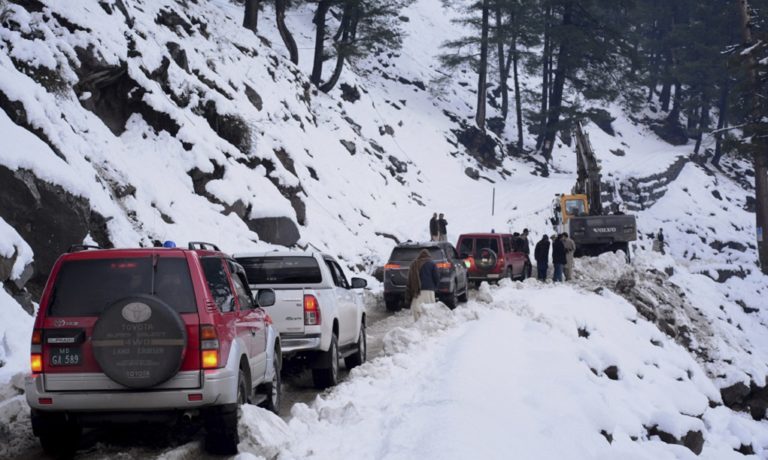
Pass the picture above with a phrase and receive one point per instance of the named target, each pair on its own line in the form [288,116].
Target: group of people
[438,227]
[563,248]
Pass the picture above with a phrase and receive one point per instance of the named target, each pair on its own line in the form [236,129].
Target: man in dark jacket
[423,279]
[526,245]
[541,253]
[433,229]
[558,258]
[442,226]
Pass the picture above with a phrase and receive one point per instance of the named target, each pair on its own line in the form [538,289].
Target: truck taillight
[209,346]
[36,357]
[311,311]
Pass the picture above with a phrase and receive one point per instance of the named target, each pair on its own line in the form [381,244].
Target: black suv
[453,273]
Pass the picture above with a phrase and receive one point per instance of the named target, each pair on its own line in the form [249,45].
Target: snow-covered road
[525,370]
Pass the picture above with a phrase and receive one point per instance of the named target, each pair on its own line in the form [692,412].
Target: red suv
[149,335]
[493,256]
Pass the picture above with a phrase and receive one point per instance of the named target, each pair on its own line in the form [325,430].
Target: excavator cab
[567,206]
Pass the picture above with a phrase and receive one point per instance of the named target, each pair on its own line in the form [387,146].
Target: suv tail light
[391,266]
[444,265]
[36,356]
[311,311]
[209,347]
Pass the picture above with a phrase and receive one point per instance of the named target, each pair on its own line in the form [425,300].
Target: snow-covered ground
[508,374]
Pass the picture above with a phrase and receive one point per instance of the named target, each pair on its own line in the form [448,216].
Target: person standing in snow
[570,248]
[558,258]
[442,227]
[525,244]
[423,279]
[660,239]
[433,230]
[541,253]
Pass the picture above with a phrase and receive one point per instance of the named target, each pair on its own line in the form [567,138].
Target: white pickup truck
[318,313]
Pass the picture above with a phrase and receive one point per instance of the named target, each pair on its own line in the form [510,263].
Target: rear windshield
[88,287]
[409,254]
[281,270]
[479,245]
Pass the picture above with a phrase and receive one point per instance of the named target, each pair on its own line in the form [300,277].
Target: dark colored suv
[149,335]
[453,273]
[493,256]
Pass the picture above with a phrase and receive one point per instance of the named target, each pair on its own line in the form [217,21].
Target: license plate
[494,275]
[66,356]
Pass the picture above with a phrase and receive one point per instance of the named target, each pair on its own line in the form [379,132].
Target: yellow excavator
[581,213]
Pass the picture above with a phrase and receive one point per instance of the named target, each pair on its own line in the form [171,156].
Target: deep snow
[508,372]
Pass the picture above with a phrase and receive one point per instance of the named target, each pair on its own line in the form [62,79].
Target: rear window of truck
[88,287]
[409,254]
[281,270]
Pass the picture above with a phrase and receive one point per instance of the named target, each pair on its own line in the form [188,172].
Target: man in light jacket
[570,247]
[423,279]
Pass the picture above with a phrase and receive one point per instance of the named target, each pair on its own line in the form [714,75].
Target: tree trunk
[760,152]
[317,65]
[674,114]
[341,46]
[545,78]
[482,73]
[285,34]
[558,84]
[666,89]
[703,124]
[722,118]
[518,101]
[251,16]
[503,74]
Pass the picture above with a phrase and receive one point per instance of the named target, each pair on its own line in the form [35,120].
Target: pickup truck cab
[318,313]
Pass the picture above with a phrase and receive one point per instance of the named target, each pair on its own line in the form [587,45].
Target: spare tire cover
[139,341]
[487,259]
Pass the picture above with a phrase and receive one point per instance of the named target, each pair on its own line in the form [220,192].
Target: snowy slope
[234,133]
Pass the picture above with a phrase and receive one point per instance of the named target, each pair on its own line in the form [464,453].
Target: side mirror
[359,283]
[265,298]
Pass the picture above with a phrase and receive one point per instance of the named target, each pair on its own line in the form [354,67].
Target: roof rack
[200,245]
[82,247]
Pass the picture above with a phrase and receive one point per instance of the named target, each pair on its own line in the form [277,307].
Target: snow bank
[530,373]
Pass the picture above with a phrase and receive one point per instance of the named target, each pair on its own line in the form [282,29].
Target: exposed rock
[734,395]
[583,332]
[693,440]
[480,145]
[400,167]
[602,119]
[178,54]
[349,93]
[275,230]
[672,132]
[229,127]
[349,145]
[612,372]
[254,97]
[472,173]
[386,129]
[48,218]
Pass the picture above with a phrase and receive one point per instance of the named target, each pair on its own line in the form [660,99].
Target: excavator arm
[588,172]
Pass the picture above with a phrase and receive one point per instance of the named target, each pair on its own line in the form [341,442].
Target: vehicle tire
[464,297]
[450,299]
[326,377]
[528,270]
[274,389]
[221,436]
[59,437]
[393,305]
[509,274]
[358,357]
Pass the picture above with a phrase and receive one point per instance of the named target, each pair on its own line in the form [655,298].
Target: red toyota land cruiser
[493,256]
[149,335]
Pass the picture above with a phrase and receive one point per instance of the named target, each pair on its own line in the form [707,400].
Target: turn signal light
[210,359]
[37,337]
[36,363]
[391,266]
